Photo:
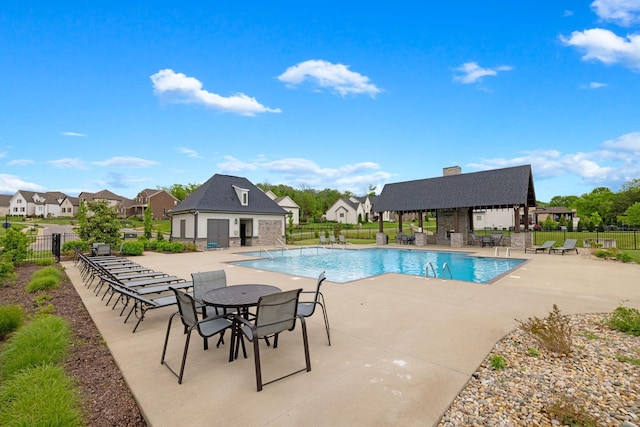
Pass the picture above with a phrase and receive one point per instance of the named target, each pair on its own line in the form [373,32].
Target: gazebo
[454,196]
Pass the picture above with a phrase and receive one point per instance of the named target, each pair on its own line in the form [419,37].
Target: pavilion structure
[454,197]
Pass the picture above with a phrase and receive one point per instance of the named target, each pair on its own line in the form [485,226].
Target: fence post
[55,245]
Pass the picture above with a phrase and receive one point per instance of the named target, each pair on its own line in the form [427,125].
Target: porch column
[381,238]
[420,220]
[399,222]
[516,219]
[526,218]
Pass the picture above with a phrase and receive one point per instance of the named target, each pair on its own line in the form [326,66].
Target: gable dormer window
[243,195]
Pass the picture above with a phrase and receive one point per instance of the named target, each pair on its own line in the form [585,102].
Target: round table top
[238,295]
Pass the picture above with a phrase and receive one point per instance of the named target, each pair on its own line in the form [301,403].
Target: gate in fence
[48,246]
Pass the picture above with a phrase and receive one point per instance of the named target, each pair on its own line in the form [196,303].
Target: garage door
[218,231]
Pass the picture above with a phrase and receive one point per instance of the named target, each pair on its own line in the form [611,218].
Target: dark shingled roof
[218,195]
[498,188]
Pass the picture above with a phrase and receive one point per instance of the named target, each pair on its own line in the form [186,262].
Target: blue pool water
[345,265]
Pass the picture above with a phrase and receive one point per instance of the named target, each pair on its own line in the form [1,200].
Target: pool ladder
[507,252]
[445,267]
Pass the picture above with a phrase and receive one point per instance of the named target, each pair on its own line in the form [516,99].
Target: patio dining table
[237,297]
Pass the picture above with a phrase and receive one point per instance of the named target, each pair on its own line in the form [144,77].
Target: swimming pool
[345,265]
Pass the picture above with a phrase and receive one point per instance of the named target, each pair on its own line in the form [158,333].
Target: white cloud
[67,163]
[73,134]
[606,47]
[233,165]
[353,177]
[616,163]
[324,74]
[567,13]
[629,142]
[471,72]
[181,89]
[9,184]
[623,12]
[126,162]
[20,162]
[189,152]
[596,85]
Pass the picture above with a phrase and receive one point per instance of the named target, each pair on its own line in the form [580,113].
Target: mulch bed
[106,398]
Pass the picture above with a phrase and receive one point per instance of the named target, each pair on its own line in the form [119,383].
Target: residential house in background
[228,211]
[32,203]
[112,199]
[286,203]
[4,204]
[69,206]
[556,213]
[119,203]
[351,210]
[161,202]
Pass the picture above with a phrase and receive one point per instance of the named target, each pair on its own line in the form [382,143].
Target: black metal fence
[48,246]
[629,240]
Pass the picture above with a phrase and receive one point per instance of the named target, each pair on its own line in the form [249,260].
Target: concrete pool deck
[402,346]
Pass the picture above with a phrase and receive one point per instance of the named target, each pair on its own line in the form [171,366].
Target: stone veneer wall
[270,231]
[445,223]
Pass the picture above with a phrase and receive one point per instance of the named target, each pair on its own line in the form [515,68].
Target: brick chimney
[451,170]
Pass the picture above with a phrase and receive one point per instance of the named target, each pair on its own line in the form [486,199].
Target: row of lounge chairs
[332,240]
[569,245]
[126,283]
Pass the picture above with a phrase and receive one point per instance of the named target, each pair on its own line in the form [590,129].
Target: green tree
[563,201]
[600,201]
[180,191]
[82,221]
[102,224]
[148,222]
[633,215]
[15,246]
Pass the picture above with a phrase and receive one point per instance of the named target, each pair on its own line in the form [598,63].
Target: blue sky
[341,95]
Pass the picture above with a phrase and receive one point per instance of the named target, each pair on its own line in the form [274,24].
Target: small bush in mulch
[626,319]
[44,279]
[41,395]
[11,318]
[43,341]
[553,332]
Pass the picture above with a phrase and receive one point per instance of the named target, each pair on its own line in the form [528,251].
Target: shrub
[74,245]
[43,341]
[11,318]
[40,396]
[132,248]
[166,246]
[42,284]
[44,262]
[44,279]
[497,362]
[6,272]
[625,319]
[15,246]
[569,413]
[553,333]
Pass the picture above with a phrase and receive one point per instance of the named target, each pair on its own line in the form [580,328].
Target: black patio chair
[276,313]
[307,308]
[204,282]
[206,328]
